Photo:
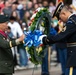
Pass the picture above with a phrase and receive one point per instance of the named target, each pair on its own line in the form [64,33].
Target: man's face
[3,26]
[63,16]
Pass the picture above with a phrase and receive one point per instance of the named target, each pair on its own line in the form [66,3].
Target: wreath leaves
[39,18]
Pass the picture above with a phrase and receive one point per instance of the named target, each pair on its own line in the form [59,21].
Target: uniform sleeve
[5,44]
[68,30]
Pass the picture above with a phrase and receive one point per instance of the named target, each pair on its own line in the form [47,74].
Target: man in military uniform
[6,54]
[68,33]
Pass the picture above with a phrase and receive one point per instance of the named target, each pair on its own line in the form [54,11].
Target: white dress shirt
[16,31]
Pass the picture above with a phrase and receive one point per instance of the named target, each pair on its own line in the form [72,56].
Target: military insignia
[69,22]
[64,29]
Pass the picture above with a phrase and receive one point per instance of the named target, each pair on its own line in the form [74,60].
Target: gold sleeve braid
[17,42]
[10,43]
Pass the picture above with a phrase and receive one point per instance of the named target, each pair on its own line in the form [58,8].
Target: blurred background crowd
[20,12]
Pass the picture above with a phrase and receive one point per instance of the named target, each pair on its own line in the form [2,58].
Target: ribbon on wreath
[31,38]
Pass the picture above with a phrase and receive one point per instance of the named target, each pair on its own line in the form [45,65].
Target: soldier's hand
[41,37]
[21,38]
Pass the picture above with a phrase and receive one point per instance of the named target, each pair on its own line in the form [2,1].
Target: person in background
[40,4]
[30,7]
[14,8]
[9,33]
[52,7]
[6,54]
[53,31]
[26,18]
[45,4]
[7,9]
[1,6]
[44,66]
[16,15]
[17,32]
[22,51]
[36,6]
[20,10]
[62,50]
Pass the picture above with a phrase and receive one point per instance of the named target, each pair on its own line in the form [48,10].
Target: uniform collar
[3,33]
[70,15]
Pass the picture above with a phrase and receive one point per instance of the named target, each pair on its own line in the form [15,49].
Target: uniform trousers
[44,66]
[63,58]
[70,71]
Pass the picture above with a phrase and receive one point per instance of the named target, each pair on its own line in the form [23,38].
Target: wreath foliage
[39,21]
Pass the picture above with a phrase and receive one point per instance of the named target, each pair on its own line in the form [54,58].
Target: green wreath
[41,20]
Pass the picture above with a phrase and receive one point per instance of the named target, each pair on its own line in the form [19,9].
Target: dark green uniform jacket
[6,57]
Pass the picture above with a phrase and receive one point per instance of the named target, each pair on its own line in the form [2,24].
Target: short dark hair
[12,18]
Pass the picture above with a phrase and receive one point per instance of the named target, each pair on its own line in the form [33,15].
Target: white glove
[40,38]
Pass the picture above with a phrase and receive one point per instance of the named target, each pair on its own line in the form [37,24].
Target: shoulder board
[69,21]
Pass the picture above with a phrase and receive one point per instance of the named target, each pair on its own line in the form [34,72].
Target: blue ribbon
[36,36]
[31,38]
